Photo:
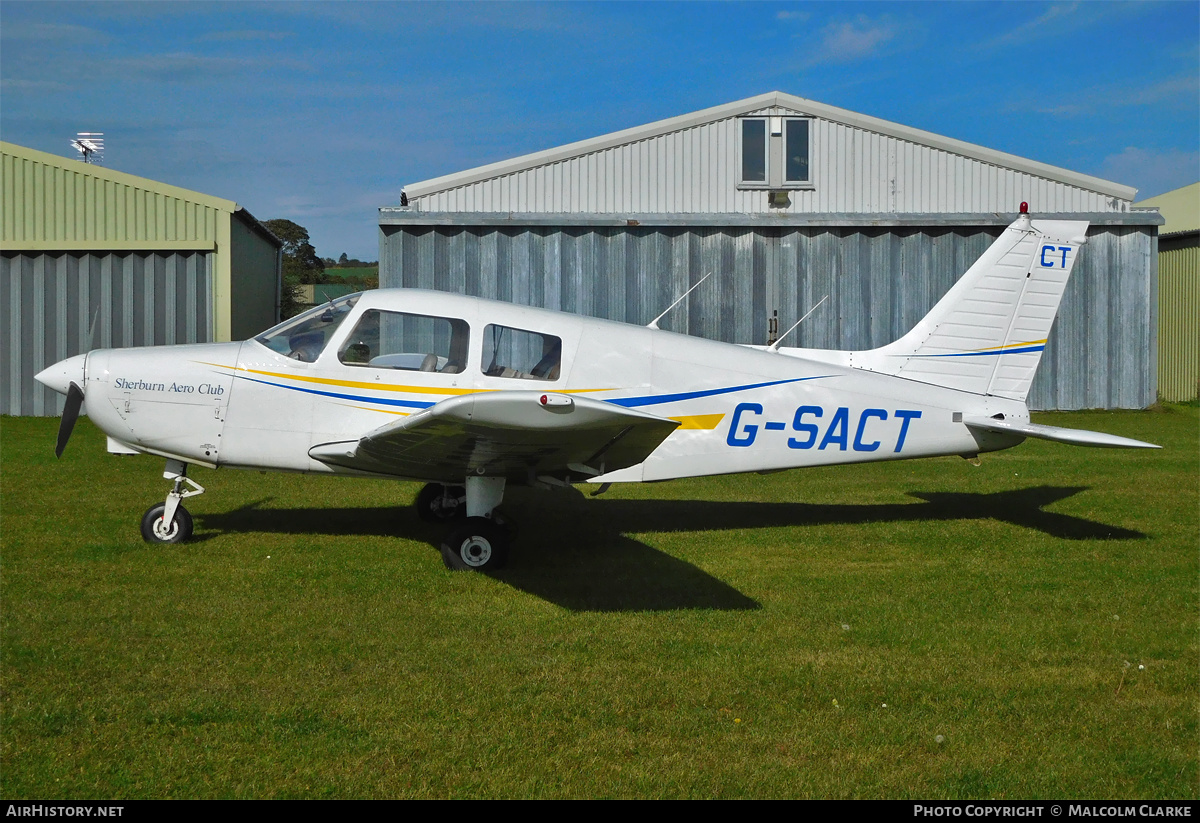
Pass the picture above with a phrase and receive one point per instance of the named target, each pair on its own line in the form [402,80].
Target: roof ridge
[778,99]
[120,177]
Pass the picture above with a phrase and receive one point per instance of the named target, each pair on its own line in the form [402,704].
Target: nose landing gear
[170,522]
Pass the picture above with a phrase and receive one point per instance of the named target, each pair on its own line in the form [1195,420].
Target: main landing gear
[477,541]
[480,541]
[170,522]
[440,504]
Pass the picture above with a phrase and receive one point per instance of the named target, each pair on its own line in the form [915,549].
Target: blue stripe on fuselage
[655,399]
[408,404]
[627,402]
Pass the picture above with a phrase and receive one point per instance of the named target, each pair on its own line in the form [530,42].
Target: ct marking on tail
[1049,264]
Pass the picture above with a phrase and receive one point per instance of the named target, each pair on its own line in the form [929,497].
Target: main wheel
[437,503]
[478,544]
[152,525]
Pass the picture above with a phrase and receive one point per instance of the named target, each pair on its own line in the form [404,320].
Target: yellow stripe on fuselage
[705,422]
[377,385]
[380,411]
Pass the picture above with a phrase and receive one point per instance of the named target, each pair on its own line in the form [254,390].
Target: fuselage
[264,403]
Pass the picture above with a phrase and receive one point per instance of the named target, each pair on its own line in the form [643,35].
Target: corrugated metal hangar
[1178,293]
[91,254]
[784,200]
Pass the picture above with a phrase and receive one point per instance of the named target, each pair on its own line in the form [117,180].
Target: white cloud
[1182,90]
[857,39]
[1062,18]
[33,86]
[851,41]
[1152,171]
[183,66]
[799,16]
[60,34]
[1040,26]
[246,35]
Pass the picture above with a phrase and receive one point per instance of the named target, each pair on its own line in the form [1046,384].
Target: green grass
[723,637]
[339,272]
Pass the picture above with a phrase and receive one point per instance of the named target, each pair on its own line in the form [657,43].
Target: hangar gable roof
[758,105]
[56,200]
[1180,208]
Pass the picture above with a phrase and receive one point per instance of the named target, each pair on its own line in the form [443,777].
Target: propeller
[69,416]
[57,375]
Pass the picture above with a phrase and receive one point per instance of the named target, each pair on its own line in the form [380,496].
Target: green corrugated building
[1178,293]
[91,257]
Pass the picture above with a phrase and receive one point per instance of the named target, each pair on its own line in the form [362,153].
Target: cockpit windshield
[304,336]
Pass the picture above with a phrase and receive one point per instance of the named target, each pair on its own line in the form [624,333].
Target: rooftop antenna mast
[90,145]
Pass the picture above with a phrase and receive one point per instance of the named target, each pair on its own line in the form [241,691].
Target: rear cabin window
[521,354]
[411,342]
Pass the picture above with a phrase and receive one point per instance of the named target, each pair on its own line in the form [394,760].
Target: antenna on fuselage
[653,324]
[92,331]
[775,346]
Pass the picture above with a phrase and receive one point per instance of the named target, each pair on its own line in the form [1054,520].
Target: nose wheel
[169,522]
[156,529]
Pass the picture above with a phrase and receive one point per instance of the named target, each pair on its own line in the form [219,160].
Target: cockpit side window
[411,342]
[521,354]
[304,336]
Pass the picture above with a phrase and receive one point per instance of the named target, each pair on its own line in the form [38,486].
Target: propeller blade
[69,416]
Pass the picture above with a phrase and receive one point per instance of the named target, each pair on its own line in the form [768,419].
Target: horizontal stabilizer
[1076,437]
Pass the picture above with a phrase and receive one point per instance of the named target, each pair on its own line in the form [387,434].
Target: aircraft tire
[477,545]
[181,528]
[431,505]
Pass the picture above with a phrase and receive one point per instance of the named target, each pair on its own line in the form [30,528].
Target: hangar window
[795,147]
[754,151]
[413,342]
[520,354]
[775,153]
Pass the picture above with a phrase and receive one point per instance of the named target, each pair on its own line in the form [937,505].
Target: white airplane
[470,395]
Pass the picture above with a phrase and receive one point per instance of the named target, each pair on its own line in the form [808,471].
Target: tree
[300,263]
[299,257]
[342,259]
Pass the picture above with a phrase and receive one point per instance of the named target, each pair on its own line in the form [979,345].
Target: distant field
[1025,629]
[364,271]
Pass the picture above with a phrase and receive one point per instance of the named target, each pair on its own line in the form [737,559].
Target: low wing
[517,435]
[1077,437]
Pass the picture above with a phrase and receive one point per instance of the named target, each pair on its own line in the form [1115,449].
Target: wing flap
[1076,437]
[511,434]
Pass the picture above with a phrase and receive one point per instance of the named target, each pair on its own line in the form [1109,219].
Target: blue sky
[321,112]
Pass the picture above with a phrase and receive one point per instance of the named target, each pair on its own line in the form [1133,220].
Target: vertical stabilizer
[987,334]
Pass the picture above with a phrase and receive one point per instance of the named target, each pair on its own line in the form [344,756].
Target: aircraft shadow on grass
[577,553]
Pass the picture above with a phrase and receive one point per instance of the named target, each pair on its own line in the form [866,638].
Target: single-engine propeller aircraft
[470,395]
